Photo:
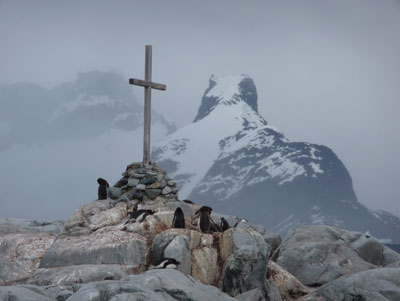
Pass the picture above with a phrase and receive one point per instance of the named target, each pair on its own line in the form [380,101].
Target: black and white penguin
[242,220]
[179,219]
[204,219]
[188,202]
[224,224]
[204,208]
[102,192]
[165,263]
[140,214]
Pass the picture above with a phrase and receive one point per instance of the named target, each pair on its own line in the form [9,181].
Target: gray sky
[327,72]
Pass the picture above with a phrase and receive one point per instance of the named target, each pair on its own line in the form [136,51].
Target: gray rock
[163,284]
[20,293]
[148,180]
[316,255]
[133,182]
[166,190]
[272,291]
[253,295]
[101,247]
[160,242]
[171,183]
[178,249]
[70,275]
[375,285]
[371,250]
[114,192]
[141,187]
[136,194]
[63,295]
[19,225]
[163,184]
[393,265]
[246,268]
[153,193]
[137,175]
[272,239]
[20,255]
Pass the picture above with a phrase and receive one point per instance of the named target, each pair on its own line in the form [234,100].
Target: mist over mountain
[55,143]
[230,159]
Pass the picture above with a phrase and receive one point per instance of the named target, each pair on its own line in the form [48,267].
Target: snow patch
[226,87]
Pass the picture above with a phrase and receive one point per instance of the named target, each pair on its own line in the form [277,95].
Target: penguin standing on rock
[165,263]
[204,219]
[242,220]
[102,192]
[140,214]
[188,202]
[179,219]
[224,224]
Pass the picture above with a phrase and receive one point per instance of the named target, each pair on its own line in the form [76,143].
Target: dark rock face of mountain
[255,172]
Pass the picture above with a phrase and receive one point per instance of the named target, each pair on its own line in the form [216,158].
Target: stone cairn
[143,183]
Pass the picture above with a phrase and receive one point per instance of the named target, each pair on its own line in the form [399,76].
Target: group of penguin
[206,223]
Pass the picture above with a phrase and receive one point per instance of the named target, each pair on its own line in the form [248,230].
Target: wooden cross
[148,85]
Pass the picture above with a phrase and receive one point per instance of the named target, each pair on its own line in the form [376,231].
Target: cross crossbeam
[148,85]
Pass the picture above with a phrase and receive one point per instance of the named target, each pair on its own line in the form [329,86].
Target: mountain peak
[227,90]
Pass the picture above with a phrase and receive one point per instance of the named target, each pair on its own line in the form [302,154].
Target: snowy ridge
[231,131]
[225,88]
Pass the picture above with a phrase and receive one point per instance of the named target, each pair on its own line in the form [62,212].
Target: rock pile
[102,253]
[144,183]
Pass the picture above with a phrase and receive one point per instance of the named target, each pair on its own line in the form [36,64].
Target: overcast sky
[327,72]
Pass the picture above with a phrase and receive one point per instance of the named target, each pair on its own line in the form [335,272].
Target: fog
[326,72]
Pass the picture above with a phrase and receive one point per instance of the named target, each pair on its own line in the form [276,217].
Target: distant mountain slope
[231,159]
[96,102]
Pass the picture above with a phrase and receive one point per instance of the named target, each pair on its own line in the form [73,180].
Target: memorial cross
[148,85]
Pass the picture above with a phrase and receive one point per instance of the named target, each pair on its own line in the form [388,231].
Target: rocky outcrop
[103,253]
[23,243]
[20,225]
[77,274]
[289,286]
[377,285]
[319,254]
[245,253]
[151,285]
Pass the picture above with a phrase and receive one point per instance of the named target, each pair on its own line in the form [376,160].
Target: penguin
[204,208]
[165,263]
[135,207]
[224,224]
[179,219]
[188,202]
[204,219]
[140,214]
[214,227]
[242,220]
[102,192]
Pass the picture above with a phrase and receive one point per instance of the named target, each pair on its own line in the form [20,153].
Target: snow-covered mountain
[95,103]
[231,159]
[55,143]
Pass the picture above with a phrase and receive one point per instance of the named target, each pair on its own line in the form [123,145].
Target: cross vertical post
[147,107]
[148,85]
